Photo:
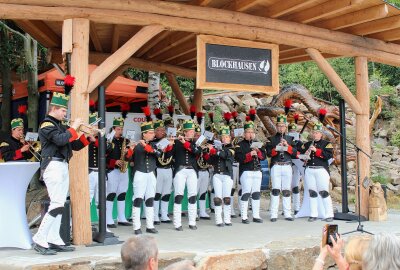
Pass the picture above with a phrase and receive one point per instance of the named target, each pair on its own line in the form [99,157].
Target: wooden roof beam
[167,44]
[115,39]
[374,26]
[41,32]
[187,47]
[183,59]
[130,13]
[153,42]
[96,58]
[322,10]
[375,50]
[334,78]
[122,54]
[241,5]
[95,38]
[282,8]
[390,35]
[200,2]
[303,58]
[354,18]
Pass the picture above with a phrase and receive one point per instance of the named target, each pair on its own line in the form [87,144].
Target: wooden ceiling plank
[354,18]
[320,11]
[390,35]
[152,43]
[282,8]
[241,5]
[374,26]
[115,38]
[95,38]
[172,41]
[41,32]
[183,59]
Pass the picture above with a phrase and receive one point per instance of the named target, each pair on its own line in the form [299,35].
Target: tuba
[124,166]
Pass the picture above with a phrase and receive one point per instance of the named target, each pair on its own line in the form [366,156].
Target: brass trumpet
[87,128]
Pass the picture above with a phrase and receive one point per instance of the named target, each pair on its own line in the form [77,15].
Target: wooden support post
[362,128]
[178,93]
[198,99]
[335,80]
[79,182]
[122,54]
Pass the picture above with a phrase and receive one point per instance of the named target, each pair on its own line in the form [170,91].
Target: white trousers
[222,188]
[163,187]
[144,188]
[296,183]
[184,177]
[202,187]
[56,177]
[117,183]
[318,180]
[251,183]
[281,180]
[94,186]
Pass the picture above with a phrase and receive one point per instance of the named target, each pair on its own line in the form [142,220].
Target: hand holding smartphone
[328,230]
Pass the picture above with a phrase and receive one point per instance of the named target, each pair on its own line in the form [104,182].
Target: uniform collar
[53,119]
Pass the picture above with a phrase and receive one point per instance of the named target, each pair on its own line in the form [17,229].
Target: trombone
[34,148]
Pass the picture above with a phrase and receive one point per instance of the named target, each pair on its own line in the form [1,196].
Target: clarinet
[281,155]
[308,152]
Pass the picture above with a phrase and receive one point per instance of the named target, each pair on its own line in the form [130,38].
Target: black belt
[283,163]
[316,167]
[202,170]
[55,159]
[164,167]
[93,170]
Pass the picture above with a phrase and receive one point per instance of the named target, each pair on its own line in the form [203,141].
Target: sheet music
[130,135]
[171,132]
[209,135]
[111,135]
[295,135]
[162,144]
[256,145]
[280,148]
[238,132]
[31,136]
[218,144]
[200,140]
[304,157]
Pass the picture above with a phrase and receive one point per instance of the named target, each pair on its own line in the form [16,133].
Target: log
[377,54]
[209,14]
[178,93]
[122,54]
[362,129]
[98,58]
[334,78]
[79,178]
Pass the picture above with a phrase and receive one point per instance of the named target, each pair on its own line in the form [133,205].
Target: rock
[266,100]
[253,259]
[375,84]
[351,165]
[376,156]
[258,101]
[393,188]
[249,101]
[336,178]
[395,178]
[381,142]
[223,107]
[386,159]
[236,100]
[227,100]
[397,162]
[383,133]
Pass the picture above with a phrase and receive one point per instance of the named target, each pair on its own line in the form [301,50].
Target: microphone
[332,128]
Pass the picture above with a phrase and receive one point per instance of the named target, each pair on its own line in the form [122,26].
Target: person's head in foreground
[383,253]
[140,253]
[355,250]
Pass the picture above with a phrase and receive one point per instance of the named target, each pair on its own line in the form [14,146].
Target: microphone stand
[360,227]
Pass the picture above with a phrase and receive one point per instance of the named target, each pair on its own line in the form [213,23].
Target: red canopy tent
[121,90]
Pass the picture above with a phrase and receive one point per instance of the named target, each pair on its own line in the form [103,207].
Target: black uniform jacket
[159,165]
[184,155]
[115,152]
[58,141]
[145,157]
[222,160]
[285,156]
[320,157]
[94,153]
[246,161]
[10,150]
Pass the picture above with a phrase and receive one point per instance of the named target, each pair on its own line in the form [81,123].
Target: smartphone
[328,230]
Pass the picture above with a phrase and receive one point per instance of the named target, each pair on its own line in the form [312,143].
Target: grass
[393,202]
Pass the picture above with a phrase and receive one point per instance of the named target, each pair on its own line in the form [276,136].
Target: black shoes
[295,212]
[43,250]
[157,222]
[245,221]
[153,230]
[179,229]
[61,248]
[205,218]
[138,231]
[125,223]
[273,219]
[329,219]
[228,224]
[220,225]
[111,226]
[166,221]
[257,220]
[289,219]
[312,219]
[233,216]
[193,227]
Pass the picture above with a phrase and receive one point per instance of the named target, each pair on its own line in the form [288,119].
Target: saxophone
[124,166]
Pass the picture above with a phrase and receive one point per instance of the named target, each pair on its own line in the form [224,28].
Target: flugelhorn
[87,128]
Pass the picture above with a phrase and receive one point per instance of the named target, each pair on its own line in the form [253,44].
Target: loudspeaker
[65,228]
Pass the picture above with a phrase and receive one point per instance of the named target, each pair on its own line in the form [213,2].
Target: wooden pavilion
[161,36]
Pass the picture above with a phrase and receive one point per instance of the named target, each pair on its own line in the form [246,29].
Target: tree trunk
[30,46]
[153,97]
[6,83]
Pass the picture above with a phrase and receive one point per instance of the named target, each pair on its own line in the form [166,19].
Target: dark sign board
[239,65]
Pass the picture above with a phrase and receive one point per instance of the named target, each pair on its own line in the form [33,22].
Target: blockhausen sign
[231,64]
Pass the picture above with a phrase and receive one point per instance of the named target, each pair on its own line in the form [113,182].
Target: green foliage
[380,178]
[394,2]
[395,139]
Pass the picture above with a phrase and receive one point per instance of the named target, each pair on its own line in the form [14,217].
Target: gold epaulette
[3,144]
[329,146]
[46,124]
[232,151]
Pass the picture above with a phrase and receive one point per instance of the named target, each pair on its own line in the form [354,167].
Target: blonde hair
[355,250]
